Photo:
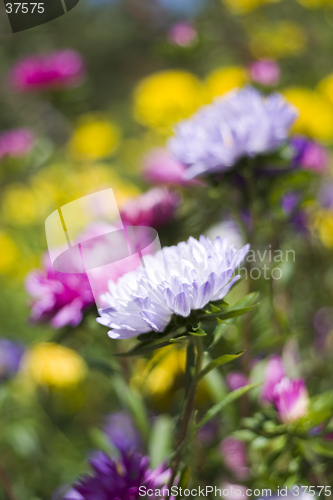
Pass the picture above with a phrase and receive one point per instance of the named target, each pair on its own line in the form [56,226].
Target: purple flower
[309,155]
[291,399]
[160,167]
[118,480]
[58,297]
[154,208]
[16,142]
[183,34]
[55,70]
[274,373]
[239,124]
[326,195]
[265,72]
[233,452]
[121,432]
[236,380]
[10,358]
[176,280]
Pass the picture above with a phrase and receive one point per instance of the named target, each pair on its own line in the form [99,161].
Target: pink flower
[58,297]
[291,399]
[160,167]
[182,34]
[154,208]
[236,380]
[234,455]
[265,72]
[236,491]
[274,373]
[315,157]
[16,142]
[55,70]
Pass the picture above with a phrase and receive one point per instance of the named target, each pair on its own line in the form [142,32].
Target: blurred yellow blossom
[325,86]
[54,365]
[19,204]
[316,113]
[95,137]
[224,79]
[284,38]
[8,254]
[321,224]
[164,98]
[240,6]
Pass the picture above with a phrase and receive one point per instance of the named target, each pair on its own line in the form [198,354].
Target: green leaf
[322,448]
[232,396]
[148,346]
[198,333]
[221,360]
[160,439]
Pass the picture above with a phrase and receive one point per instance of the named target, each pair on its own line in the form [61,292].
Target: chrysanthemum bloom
[56,70]
[177,280]
[224,79]
[10,358]
[16,142]
[183,34]
[309,154]
[233,452]
[265,72]
[58,297]
[236,380]
[154,208]
[114,480]
[273,374]
[160,167]
[53,365]
[291,399]
[242,123]
[122,433]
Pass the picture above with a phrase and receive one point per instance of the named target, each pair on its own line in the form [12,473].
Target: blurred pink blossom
[265,72]
[291,399]
[274,373]
[236,491]
[16,142]
[236,380]
[234,455]
[183,34]
[160,167]
[60,69]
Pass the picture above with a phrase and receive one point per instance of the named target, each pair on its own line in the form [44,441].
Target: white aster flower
[177,280]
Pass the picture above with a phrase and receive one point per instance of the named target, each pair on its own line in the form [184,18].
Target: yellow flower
[316,113]
[94,138]
[224,79]
[54,365]
[325,86]
[19,205]
[164,98]
[241,6]
[8,253]
[284,38]
[321,224]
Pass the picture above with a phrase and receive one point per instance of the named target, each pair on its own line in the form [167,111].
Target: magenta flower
[274,373]
[265,72]
[160,167]
[16,142]
[233,452]
[58,297]
[291,399]
[183,34]
[309,155]
[236,380]
[56,70]
[154,208]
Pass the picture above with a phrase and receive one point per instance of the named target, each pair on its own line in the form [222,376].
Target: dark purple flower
[242,123]
[118,480]
[10,358]
[309,155]
[122,433]
[265,72]
[58,297]
[60,69]
[16,142]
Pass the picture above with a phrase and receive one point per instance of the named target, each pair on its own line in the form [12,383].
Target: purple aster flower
[118,480]
[183,34]
[291,399]
[122,433]
[309,155]
[236,380]
[16,142]
[58,297]
[233,452]
[60,69]
[154,208]
[10,358]
[176,280]
[239,124]
[265,72]
[274,373]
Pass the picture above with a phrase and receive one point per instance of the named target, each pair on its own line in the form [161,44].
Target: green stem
[188,413]
[6,485]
